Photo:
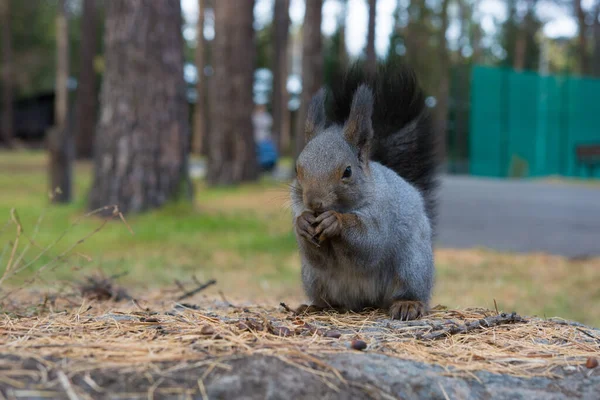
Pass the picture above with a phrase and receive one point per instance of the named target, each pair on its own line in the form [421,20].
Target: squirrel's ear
[315,117]
[358,130]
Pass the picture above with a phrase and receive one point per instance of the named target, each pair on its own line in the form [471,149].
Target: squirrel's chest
[353,290]
[343,283]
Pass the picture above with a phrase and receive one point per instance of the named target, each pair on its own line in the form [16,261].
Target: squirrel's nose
[315,205]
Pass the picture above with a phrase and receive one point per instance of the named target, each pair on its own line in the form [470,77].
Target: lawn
[242,237]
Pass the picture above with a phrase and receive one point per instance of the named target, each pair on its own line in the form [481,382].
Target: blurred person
[265,147]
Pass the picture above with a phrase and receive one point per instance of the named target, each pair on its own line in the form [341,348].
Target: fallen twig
[197,290]
[487,322]
[287,308]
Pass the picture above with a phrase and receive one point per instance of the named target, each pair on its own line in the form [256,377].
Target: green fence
[524,124]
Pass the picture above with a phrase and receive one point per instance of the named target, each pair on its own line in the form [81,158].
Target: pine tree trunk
[342,52]
[444,84]
[86,89]
[199,109]
[582,37]
[596,65]
[520,48]
[209,81]
[371,64]
[142,141]
[60,142]
[6,129]
[281,22]
[312,65]
[231,153]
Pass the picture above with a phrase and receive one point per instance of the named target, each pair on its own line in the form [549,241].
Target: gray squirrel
[364,195]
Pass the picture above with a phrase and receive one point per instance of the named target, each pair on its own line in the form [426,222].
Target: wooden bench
[588,155]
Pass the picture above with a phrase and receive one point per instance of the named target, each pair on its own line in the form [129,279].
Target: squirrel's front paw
[305,226]
[407,310]
[329,225]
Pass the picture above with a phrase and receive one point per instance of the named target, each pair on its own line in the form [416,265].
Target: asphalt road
[519,216]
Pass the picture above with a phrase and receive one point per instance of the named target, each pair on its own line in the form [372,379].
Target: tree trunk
[60,143]
[312,65]
[142,141]
[209,78]
[596,65]
[582,38]
[520,48]
[231,153]
[6,129]
[444,85]
[199,109]
[281,21]
[86,88]
[371,64]
[342,52]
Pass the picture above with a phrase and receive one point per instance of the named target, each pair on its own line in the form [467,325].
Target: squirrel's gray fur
[364,230]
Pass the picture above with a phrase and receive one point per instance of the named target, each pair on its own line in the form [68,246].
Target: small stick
[487,322]
[587,334]
[225,299]
[496,307]
[66,384]
[197,290]
[180,286]
[286,308]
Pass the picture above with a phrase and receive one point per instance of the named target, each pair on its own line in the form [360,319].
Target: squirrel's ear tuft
[358,129]
[315,117]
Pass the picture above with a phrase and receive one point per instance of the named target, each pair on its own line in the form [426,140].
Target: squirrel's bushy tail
[404,138]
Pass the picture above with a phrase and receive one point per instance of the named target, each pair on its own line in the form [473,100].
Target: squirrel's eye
[347,173]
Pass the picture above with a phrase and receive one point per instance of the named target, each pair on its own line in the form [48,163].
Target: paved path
[519,216]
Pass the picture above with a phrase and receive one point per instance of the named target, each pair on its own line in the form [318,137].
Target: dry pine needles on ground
[136,334]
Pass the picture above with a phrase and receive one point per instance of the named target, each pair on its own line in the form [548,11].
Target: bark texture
[281,19]
[596,59]
[582,38]
[312,65]
[142,141]
[444,85]
[6,129]
[60,142]
[371,63]
[198,137]
[231,152]
[86,89]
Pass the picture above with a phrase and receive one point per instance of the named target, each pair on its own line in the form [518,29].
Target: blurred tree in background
[312,64]
[281,26]
[231,149]
[7,75]
[60,139]
[519,36]
[336,55]
[371,63]
[142,142]
[596,60]
[85,119]
[199,135]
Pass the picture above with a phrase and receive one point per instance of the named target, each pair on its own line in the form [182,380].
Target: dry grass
[90,335]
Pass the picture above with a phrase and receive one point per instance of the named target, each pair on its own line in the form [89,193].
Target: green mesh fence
[525,125]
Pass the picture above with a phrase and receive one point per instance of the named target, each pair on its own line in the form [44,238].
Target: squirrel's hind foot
[407,310]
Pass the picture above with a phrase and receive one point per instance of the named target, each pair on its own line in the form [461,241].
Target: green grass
[242,237]
[176,241]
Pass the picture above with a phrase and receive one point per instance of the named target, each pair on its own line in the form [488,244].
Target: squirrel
[364,194]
